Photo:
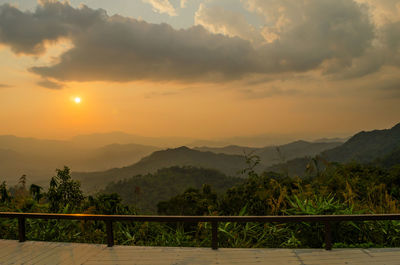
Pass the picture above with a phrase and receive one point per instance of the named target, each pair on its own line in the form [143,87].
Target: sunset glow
[219,69]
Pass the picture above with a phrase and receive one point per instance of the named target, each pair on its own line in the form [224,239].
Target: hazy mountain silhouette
[276,154]
[101,139]
[331,140]
[182,156]
[380,146]
[229,160]
[39,158]
[366,146]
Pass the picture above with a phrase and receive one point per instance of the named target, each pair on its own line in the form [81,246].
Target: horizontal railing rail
[214,220]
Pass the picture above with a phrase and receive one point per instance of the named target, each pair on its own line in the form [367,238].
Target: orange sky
[305,103]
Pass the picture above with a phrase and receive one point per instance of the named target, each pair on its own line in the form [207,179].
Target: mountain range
[182,156]
[229,160]
[99,159]
[276,154]
[377,146]
[39,158]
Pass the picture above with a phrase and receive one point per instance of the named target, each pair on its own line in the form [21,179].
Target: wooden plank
[37,252]
[12,252]
[92,252]
[60,253]
[17,252]
[22,249]
[7,246]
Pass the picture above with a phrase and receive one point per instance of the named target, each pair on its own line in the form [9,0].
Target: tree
[4,195]
[191,202]
[64,191]
[35,191]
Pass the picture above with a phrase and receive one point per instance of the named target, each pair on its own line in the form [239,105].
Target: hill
[271,155]
[145,191]
[378,146]
[38,158]
[366,146]
[391,159]
[229,149]
[182,156]
[101,139]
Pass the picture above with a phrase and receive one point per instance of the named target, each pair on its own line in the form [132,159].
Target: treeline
[145,191]
[350,188]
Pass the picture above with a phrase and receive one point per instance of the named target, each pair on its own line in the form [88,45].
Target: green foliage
[350,188]
[64,191]
[107,204]
[190,202]
[146,191]
[36,192]
[4,195]
[177,157]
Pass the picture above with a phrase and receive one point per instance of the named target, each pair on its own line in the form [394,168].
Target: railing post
[214,238]
[21,229]
[110,233]
[328,236]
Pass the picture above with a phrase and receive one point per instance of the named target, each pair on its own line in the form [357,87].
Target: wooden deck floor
[30,252]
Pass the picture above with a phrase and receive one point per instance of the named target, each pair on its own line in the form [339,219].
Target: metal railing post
[328,236]
[21,229]
[214,238]
[110,233]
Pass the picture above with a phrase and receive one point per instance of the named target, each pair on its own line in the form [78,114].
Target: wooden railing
[214,220]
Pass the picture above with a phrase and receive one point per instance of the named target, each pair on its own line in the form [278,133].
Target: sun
[77,100]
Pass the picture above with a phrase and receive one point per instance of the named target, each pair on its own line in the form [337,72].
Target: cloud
[308,33]
[162,6]
[218,20]
[383,11]
[27,32]
[183,3]
[124,50]
[331,36]
[391,33]
[50,84]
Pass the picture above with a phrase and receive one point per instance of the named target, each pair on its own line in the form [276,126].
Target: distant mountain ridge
[377,146]
[366,146]
[101,139]
[276,154]
[182,156]
[229,163]
[38,158]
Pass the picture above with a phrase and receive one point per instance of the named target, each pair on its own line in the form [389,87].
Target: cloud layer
[335,37]
[162,6]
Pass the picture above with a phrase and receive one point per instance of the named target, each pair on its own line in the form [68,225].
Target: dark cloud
[391,34]
[318,31]
[329,33]
[50,84]
[126,49]
[27,32]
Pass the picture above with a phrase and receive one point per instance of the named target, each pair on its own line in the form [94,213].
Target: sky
[199,68]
